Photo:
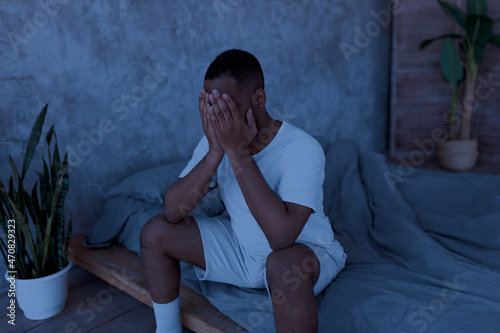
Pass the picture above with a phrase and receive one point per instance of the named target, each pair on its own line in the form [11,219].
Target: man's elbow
[170,215]
[278,243]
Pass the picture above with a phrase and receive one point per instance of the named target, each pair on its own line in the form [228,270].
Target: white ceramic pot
[458,155]
[44,297]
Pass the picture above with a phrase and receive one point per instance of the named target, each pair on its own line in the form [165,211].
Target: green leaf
[3,220]
[69,233]
[453,72]
[48,229]
[4,250]
[45,188]
[60,211]
[427,42]
[35,201]
[12,191]
[56,165]
[451,66]
[495,40]
[455,13]
[477,7]
[48,137]
[479,32]
[21,253]
[14,170]
[25,230]
[36,215]
[5,201]
[36,132]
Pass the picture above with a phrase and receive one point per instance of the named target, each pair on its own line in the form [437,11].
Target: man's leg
[163,244]
[291,275]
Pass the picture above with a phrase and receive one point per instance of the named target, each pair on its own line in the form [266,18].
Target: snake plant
[38,246]
[460,66]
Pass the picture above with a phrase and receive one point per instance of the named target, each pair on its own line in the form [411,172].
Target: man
[274,233]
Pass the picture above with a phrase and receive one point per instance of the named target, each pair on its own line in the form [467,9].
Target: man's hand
[233,132]
[208,127]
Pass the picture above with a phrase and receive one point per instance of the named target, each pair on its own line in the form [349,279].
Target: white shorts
[227,262]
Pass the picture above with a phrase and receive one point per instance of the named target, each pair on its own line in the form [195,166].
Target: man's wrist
[214,156]
[239,154]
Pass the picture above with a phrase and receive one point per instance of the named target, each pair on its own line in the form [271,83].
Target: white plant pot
[44,297]
[458,155]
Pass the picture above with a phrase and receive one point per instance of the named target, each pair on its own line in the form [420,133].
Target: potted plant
[460,67]
[36,237]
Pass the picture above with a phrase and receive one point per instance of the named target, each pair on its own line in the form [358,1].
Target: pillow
[148,185]
[136,199]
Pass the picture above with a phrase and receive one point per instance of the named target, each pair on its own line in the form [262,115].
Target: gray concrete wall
[122,77]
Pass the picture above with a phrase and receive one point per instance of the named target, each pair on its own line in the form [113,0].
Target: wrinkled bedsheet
[423,247]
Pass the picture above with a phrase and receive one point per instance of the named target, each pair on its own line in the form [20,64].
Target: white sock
[168,317]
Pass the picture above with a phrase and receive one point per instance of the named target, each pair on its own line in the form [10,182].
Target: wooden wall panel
[419,96]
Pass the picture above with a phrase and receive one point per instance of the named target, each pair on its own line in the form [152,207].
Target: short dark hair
[238,64]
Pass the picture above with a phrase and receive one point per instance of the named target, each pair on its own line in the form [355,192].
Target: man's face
[227,84]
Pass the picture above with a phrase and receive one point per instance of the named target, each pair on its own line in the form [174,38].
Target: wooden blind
[419,96]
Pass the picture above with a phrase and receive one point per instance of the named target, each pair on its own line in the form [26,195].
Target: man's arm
[280,221]
[185,194]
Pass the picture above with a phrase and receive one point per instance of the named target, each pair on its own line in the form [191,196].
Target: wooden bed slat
[123,269]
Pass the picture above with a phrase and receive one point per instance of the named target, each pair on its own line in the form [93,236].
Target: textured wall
[122,77]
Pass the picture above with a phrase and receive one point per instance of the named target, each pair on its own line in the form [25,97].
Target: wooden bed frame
[123,269]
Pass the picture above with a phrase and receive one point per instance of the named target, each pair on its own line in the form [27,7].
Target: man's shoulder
[299,139]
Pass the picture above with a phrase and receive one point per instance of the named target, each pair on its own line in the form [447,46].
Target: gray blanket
[423,251]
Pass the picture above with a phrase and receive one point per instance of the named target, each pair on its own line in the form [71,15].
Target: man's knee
[289,268]
[153,232]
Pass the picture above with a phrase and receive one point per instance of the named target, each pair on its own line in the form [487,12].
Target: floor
[92,306]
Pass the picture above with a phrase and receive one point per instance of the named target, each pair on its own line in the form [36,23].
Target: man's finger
[251,120]
[232,106]
[205,114]
[201,101]
[215,108]
[215,120]
[214,112]
[217,98]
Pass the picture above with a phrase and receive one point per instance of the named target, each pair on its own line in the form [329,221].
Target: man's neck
[267,130]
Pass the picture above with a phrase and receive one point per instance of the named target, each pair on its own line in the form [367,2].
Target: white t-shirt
[293,165]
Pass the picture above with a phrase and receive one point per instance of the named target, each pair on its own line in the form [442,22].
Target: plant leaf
[45,188]
[21,253]
[48,229]
[49,135]
[24,227]
[12,191]
[67,240]
[35,213]
[479,33]
[60,212]
[4,250]
[14,170]
[455,13]
[36,132]
[451,66]
[56,165]
[3,219]
[495,40]
[3,195]
[48,138]
[477,7]
[427,42]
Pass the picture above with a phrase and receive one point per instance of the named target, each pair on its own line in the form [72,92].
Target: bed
[423,247]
